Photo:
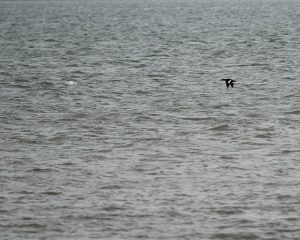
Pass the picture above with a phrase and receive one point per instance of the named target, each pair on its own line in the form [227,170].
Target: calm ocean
[114,123]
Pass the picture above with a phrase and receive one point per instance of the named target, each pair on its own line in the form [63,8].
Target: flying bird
[229,82]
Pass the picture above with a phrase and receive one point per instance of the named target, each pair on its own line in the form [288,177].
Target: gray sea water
[114,123]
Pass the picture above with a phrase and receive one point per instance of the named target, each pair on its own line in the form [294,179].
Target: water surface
[115,125]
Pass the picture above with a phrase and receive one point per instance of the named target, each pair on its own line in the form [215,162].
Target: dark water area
[114,123]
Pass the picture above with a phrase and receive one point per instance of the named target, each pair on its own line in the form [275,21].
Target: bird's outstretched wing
[229,81]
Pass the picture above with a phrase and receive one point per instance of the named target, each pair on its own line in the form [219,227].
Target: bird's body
[229,82]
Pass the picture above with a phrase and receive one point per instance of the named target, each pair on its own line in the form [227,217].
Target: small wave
[235,236]
[112,187]
[147,139]
[25,192]
[50,40]
[155,75]
[113,208]
[285,197]
[290,151]
[226,157]
[292,95]
[141,65]
[263,136]
[73,65]
[228,211]
[218,53]
[296,112]
[24,226]
[220,106]
[22,80]
[40,170]
[141,92]
[198,118]
[67,164]
[46,84]
[255,143]
[289,78]
[254,115]
[5,73]
[157,55]
[52,193]
[78,72]
[224,127]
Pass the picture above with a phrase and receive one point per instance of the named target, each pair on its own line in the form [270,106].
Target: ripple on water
[296,112]
[235,236]
[223,127]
